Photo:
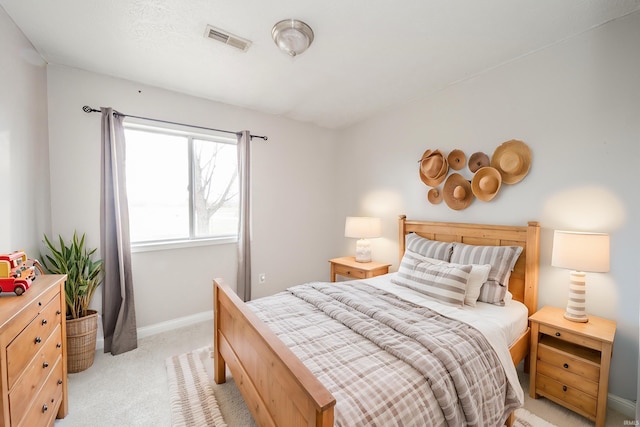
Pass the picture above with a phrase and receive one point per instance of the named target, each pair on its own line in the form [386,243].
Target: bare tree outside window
[215,180]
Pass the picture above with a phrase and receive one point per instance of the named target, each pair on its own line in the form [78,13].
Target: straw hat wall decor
[434,196]
[486,183]
[457,159]
[457,192]
[478,160]
[433,167]
[509,164]
[513,160]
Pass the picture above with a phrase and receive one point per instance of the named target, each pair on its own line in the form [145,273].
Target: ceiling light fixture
[292,36]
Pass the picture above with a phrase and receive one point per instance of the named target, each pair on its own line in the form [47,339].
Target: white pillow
[477,277]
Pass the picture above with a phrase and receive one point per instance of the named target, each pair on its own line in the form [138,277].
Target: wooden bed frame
[279,389]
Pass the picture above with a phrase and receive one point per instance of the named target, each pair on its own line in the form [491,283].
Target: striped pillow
[445,283]
[429,248]
[502,260]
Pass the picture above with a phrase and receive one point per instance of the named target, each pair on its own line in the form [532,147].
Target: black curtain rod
[88,109]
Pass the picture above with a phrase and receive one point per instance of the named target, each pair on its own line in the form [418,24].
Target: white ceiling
[368,55]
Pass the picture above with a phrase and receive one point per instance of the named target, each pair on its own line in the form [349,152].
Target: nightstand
[349,267]
[570,361]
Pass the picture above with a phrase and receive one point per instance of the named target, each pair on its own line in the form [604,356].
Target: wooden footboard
[277,387]
[281,391]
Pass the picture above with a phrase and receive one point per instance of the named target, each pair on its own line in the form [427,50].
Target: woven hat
[513,160]
[434,196]
[457,159]
[433,167]
[478,160]
[486,183]
[457,192]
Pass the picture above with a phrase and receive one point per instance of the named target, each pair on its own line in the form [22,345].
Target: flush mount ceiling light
[292,36]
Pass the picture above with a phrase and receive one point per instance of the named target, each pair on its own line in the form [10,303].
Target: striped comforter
[388,361]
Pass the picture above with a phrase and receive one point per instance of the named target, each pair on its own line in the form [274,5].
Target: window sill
[180,244]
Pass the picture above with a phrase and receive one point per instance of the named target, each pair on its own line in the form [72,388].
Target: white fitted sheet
[510,320]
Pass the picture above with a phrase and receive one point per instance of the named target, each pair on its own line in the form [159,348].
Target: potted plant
[84,276]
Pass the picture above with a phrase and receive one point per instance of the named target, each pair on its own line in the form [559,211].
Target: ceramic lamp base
[577,298]
[363,251]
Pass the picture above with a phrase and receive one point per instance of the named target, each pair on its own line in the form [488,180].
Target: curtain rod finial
[88,109]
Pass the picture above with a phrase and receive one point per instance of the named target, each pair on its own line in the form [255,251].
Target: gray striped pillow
[429,248]
[502,260]
[443,282]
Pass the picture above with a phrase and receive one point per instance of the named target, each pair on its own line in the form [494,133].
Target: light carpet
[194,396]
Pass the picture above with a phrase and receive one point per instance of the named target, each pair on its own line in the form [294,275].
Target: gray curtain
[118,311]
[244,231]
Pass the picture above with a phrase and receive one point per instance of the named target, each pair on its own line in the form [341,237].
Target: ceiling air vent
[227,38]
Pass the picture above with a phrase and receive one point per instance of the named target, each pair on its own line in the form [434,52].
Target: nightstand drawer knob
[566,366]
[557,334]
[564,388]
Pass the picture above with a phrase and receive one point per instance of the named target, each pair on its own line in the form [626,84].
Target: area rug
[525,418]
[193,402]
[193,396]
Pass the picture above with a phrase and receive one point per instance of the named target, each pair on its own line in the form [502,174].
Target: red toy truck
[15,273]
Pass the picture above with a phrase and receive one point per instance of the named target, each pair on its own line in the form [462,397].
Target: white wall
[292,177]
[576,105]
[24,165]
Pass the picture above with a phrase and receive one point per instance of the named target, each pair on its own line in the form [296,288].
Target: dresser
[570,361]
[33,363]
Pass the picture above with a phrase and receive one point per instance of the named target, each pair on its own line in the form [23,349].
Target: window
[181,186]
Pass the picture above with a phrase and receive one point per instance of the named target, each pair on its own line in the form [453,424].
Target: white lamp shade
[362,227]
[581,251]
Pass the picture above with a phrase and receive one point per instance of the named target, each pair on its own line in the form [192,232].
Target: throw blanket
[388,361]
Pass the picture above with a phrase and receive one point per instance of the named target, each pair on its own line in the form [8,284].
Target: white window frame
[191,241]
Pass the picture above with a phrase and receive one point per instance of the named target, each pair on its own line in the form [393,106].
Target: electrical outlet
[262,278]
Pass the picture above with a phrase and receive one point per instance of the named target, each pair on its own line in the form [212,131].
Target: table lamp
[579,252]
[363,228]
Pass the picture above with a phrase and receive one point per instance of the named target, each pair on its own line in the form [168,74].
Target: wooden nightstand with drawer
[349,267]
[570,361]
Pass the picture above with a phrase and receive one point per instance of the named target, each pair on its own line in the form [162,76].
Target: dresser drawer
[32,307]
[350,272]
[571,337]
[31,340]
[570,358]
[34,375]
[569,396]
[568,379]
[45,406]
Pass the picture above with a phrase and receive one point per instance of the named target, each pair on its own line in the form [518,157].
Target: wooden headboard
[523,283]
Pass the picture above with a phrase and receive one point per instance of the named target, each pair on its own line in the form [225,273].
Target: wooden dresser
[33,362]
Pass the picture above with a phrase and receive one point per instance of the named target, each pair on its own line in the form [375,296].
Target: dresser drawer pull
[59,345]
[59,382]
[45,408]
[58,312]
[566,366]
[44,321]
[564,388]
[45,365]
[39,303]
[38,340]
[557,334]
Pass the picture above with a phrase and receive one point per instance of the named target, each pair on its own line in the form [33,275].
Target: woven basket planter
[81,341]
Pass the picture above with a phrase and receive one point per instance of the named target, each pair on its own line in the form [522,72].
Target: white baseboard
[624,406]
[169,325]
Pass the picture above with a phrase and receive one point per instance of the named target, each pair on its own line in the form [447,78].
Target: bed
[281,390]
